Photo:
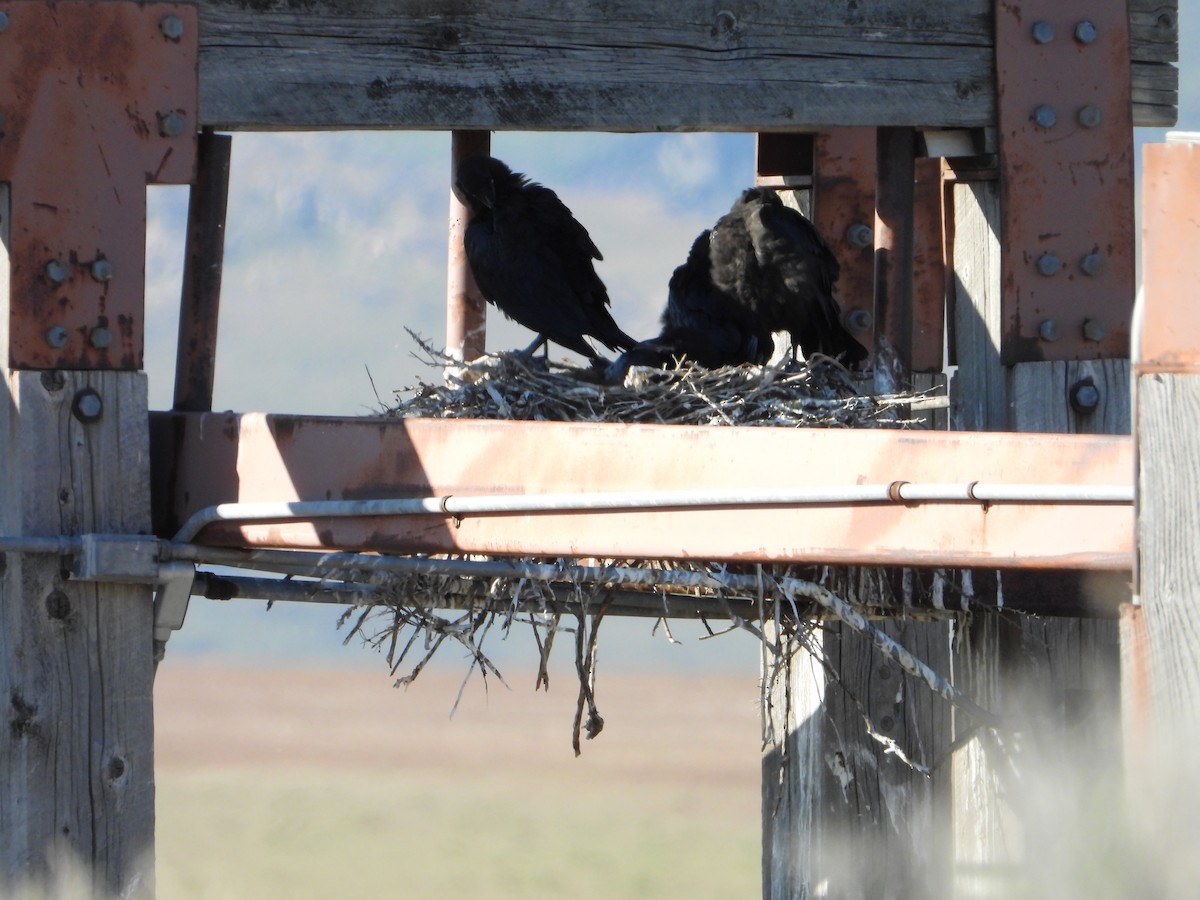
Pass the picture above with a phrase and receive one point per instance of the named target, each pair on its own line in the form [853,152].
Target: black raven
[533,260]
[701,322]
[778,266]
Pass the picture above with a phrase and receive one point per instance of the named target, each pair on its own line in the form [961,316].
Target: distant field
[310,783]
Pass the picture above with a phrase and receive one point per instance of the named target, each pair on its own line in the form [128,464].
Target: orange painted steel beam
[1171,267]
[99,100]
[201,459]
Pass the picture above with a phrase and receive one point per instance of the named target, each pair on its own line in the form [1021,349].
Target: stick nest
[820,393]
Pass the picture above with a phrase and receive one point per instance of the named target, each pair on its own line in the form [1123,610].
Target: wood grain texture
[76,755]
[978,393]
[1168,409]
[840,809]
[620,65]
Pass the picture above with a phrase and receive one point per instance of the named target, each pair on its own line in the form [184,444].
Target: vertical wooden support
[1164,669]
[844,814]
[466,310]
[204,256]
[76,667]
[1058,677]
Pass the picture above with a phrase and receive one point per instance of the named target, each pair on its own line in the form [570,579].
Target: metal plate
[98,100]
[843,202]
[1170,335]
[201,459]
[1066,188]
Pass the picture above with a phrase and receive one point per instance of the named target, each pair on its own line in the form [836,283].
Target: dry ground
[327,783]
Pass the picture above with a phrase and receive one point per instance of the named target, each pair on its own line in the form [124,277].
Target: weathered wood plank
[621,65]
[844,814]
[1168,409]
[76,670]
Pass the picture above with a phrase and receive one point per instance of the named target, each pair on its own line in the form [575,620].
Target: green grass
[299,833]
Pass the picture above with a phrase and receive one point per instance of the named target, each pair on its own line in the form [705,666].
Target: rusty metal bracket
[844,211]
[1066,176]
[97,100]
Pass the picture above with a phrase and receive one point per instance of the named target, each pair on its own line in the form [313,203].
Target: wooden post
[76,664]
[1057,678]
[76,668]
[1163,669]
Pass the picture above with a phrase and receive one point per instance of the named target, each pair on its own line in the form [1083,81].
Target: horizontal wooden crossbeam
[625,65]
[205,459]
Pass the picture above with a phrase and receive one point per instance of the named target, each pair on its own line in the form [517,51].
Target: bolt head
[1085,32]
[1048,330]
[1084,396]
[56,270]
[1092,264]
[858,320]
[860,235]
[100,337]
[171,27]
[1043,32]
[87,405]
[56,336]
[1048,264]
[102,269]
[1089,116]
[1045,116]
[1093,330]
[170,124]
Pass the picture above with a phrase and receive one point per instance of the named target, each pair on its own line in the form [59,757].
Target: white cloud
[336,242]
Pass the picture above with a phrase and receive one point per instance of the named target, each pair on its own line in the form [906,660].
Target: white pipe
[450,505]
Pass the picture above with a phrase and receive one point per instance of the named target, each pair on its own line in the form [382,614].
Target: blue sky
[336,242]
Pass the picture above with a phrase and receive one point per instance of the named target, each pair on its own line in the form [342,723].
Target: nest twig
[820,393]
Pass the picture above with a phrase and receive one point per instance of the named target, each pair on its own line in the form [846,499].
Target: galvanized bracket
[1066,179]
[97,100]
[134,559]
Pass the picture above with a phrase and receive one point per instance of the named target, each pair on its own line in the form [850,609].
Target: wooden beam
[76,659]
[628,65]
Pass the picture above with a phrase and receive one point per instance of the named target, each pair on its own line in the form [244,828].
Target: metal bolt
[1048,264]
[1084,396]
[1048,330]
[3,21]
[1093,330]
[1045,116]
[56,271]
[1085,32]
[100,337]
[860,235]
[726,22]
[102,269]
[1092,264]
[887,723]
[87,406]
[1043,32]
[1089,116]
[859,320]
[171,27]
[56,336]
[170,124]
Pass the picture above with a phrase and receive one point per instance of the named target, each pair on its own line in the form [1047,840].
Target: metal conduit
[450,505]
